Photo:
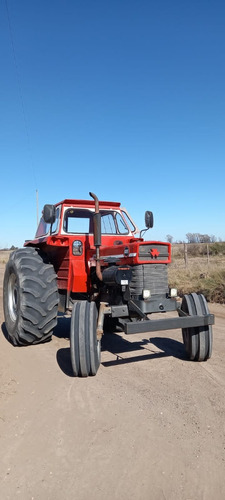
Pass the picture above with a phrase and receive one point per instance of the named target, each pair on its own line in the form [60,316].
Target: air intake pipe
[97,235]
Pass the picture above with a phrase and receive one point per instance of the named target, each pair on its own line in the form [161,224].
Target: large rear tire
[30,297]
[85,348]
[197,340]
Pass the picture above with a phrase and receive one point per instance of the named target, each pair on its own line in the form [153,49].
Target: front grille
[153,252]
[152,277]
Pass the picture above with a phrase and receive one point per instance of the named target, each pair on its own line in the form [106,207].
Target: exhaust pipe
[97,235]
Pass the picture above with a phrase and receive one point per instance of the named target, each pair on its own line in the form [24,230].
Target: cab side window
[54,227]
[43,228]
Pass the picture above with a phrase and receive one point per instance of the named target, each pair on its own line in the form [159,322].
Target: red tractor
[86,260]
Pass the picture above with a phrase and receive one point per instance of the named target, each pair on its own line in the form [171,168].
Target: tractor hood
[136,251]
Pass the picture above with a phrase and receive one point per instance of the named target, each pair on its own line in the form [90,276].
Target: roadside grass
[200,275]
[4,256]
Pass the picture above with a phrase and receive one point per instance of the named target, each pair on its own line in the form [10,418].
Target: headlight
[77,248]
[173,292]
[146,294]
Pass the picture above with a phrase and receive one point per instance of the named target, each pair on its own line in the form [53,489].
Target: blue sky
[124,98]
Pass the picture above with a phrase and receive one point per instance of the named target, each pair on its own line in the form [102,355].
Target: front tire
[197,340]
[30,297]
[85,348]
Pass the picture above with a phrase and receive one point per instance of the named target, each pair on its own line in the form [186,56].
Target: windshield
[80,221]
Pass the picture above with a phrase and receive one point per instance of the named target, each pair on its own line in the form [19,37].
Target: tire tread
[38,297]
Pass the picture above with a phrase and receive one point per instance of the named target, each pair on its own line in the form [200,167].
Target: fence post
[185,255]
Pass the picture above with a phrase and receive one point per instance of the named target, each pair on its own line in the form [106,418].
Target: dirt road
[149,426]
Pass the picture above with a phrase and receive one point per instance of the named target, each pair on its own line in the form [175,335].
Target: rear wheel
[85,348]
[197,340]
[30,297]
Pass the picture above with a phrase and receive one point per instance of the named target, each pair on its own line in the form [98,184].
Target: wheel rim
[13,297]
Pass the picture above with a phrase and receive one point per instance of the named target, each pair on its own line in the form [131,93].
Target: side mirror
[49,214]
[149,221]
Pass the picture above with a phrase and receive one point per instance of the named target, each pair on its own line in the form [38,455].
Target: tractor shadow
[120,347]
[62,331]
[117,345]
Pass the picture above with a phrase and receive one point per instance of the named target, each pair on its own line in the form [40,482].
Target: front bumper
[150,325]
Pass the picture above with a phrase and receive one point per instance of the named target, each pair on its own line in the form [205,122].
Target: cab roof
[88,203]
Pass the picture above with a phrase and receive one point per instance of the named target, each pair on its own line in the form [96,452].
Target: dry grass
[4,256]
[200,275]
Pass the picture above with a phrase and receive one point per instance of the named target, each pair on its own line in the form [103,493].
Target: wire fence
[187,253]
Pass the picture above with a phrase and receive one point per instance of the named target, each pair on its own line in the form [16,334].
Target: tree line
[195,238]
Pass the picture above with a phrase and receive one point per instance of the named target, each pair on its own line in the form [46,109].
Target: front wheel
[197,340]
[85,348]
